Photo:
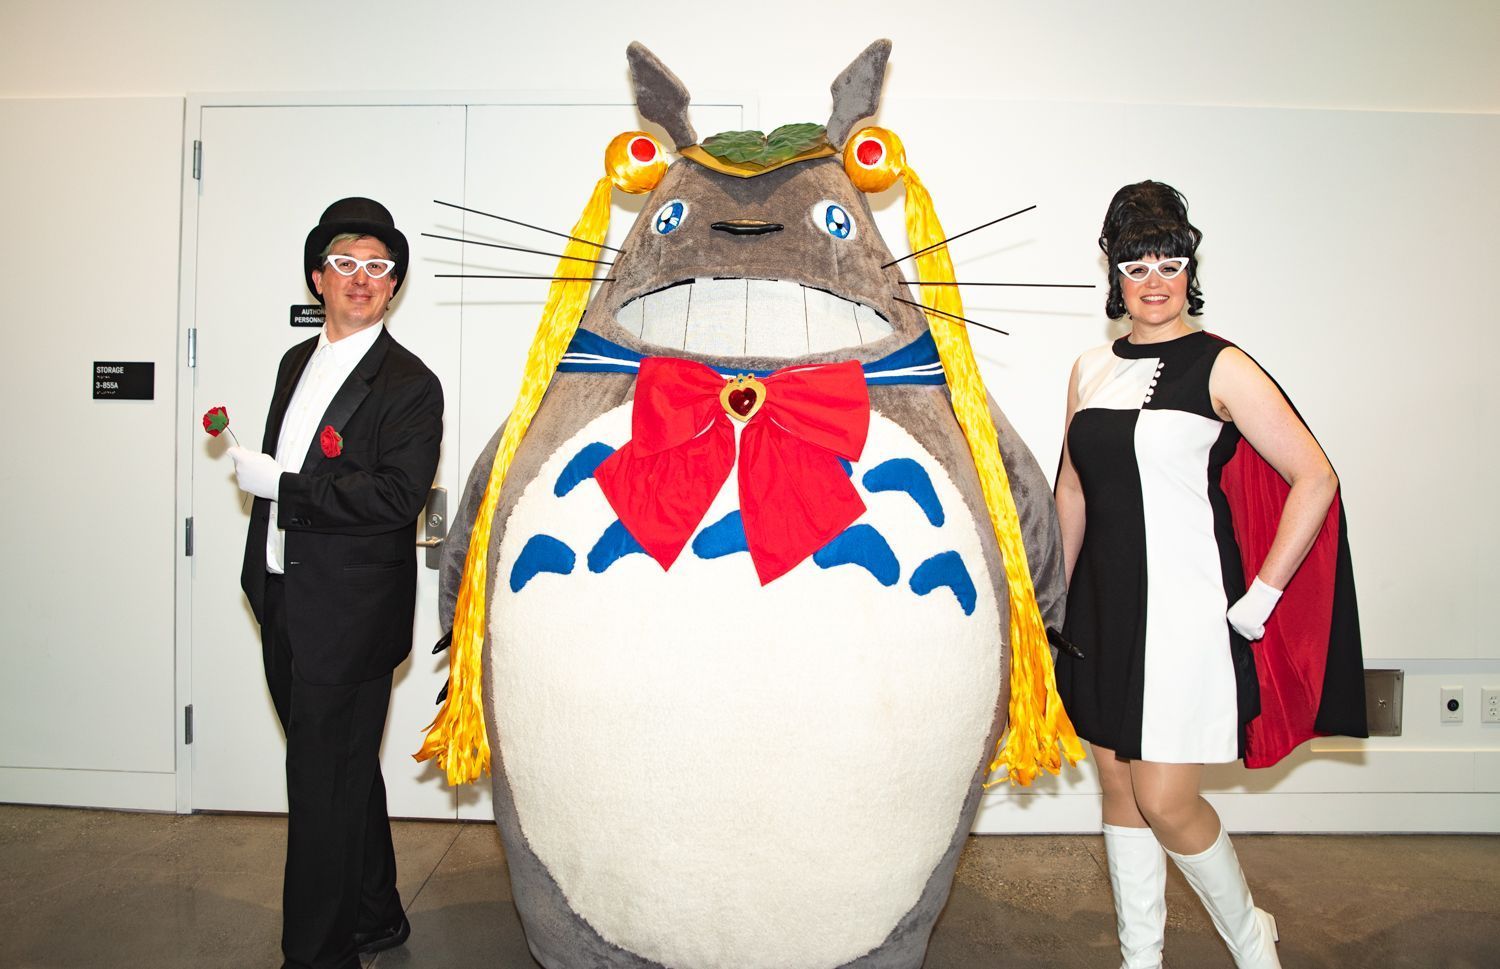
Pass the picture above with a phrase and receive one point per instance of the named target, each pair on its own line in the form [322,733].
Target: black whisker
[534,252]
[1044,285]
[951,316]
[571,279]
[935,245]
[525,225]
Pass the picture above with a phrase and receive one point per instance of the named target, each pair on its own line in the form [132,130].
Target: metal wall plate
[1383,690]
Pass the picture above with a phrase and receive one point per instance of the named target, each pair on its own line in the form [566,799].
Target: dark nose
[747,227]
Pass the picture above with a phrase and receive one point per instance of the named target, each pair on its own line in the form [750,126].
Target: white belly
[718,773]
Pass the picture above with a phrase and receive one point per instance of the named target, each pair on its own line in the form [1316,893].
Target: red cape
[1309,663]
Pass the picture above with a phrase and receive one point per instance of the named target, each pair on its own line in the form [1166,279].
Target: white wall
[1361,233]
[1397,55]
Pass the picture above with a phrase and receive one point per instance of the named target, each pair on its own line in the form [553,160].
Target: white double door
[267,172]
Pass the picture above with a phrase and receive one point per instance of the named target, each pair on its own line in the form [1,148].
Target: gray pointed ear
[856,92]
[659,95]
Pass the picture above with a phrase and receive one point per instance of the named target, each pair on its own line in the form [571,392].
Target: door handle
[435,521]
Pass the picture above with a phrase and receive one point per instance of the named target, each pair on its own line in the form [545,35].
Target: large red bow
[794,494]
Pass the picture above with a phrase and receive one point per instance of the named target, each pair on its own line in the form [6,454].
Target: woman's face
[1153,300]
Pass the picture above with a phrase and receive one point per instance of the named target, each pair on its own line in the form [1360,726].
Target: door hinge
[192,346]
[187,724]
[197,160]
[187,536]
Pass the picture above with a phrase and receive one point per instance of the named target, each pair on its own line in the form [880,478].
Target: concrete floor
[98,888]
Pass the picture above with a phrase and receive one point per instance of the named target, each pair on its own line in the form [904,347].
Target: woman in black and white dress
[1165,684]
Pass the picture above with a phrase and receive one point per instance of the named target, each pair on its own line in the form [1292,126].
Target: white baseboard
[1263,811]
[1006,811]
[122,790]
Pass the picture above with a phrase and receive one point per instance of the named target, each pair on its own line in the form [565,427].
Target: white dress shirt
[325,373]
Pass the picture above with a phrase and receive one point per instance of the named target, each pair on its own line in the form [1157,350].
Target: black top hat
[364,216]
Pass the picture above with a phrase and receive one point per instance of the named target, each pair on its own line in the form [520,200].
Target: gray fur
[659,95]
[460,528]
[800,252]
[856,92]
[1038,514]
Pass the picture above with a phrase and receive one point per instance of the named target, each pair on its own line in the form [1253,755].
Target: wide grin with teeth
[750,318]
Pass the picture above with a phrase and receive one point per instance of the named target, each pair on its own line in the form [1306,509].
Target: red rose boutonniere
[332,442]
[216,422]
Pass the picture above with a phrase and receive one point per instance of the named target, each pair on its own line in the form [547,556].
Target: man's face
[354,302]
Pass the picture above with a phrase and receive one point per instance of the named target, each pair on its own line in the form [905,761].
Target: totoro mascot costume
[754,578]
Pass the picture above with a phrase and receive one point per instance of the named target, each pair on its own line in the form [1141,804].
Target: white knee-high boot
[1215,875]
[1138,878]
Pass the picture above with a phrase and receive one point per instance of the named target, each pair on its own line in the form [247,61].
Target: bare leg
[1167,797]
[1119,791]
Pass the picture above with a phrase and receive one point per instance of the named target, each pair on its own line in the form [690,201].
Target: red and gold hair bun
[635,162]
[873,159]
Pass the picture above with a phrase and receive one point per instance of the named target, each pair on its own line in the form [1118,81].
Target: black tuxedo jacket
[351,520]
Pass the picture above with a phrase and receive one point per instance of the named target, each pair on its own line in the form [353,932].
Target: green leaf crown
[758,148]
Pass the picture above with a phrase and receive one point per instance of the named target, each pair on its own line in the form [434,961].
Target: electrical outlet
[1489,704]
[1451,704]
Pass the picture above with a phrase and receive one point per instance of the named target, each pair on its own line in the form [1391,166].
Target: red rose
[215,420]
[332,442]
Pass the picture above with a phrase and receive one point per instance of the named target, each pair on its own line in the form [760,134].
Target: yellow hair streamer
[457,737]
[1038,723]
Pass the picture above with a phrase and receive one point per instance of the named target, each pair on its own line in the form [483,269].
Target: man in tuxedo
[350,450]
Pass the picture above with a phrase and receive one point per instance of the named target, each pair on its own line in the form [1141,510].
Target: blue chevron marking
[946,569]
[613,545]
[542,553]
[581,468]
[861,545]
[724,537]
[906,475]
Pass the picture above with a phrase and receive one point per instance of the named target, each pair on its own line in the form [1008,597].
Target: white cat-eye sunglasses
[348,266]
[1167,268]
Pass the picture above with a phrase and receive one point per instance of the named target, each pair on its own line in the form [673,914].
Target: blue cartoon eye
[833,219]
[669,216]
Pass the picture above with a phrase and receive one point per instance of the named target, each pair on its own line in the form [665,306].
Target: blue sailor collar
[915,363]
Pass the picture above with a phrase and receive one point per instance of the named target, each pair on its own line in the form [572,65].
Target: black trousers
[340,864]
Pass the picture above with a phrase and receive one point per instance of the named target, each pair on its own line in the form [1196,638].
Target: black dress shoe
[382,939]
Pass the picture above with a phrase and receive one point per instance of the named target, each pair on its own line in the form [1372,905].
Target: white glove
[258,474]
[1249,615]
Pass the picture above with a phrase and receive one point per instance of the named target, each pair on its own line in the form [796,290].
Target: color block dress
[1164,677]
